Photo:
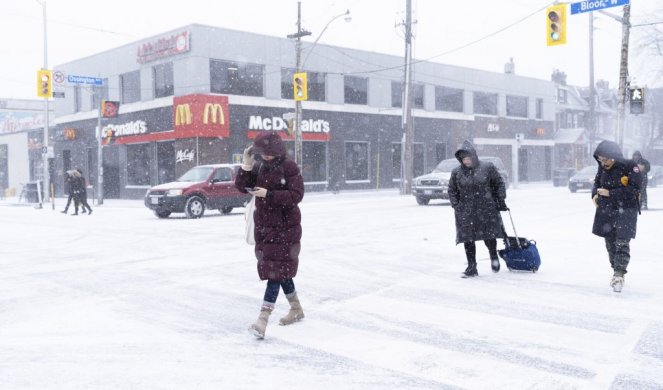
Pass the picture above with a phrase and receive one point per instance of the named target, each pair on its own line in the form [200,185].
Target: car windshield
[196,174]
[446,165]
[590,170]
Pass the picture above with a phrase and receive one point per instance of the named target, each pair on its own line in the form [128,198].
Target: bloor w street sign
[595,5]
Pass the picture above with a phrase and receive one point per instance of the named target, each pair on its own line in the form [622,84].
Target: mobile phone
[248,189]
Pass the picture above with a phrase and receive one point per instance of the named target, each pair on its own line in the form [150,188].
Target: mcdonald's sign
[200,115]
[69,133]
[213,110]
[183,114]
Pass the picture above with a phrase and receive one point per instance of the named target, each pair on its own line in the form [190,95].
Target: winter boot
[470,271]
[617,282]
[494,262]
[295,314]
[258,328]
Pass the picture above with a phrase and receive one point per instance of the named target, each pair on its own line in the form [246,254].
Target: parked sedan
[655,176]
[583,179]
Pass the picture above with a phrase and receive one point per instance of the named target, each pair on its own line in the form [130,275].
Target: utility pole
[408,128]
[591,120]
[298,104]
[100,154]
[47,179]
[623,75]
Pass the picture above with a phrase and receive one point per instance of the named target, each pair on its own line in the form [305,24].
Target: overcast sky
[79,28]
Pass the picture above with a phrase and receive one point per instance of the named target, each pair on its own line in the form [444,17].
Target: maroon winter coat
[278,228]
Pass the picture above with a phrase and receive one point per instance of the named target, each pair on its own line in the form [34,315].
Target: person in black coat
[78,186]
[615,194]
[645,167]
[477,194]
[68,183]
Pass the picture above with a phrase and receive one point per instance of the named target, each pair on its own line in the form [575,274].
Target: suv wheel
[226,210]
[195,207]
[162,214]
[422,201]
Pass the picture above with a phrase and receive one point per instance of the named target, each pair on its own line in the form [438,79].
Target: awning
[570,136]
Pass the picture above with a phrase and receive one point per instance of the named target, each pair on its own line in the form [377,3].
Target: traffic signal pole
[47,181]
[298,104]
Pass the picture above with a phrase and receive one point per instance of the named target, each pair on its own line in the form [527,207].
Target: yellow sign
[213,109]
[300,86]
[182,114]
[44,83]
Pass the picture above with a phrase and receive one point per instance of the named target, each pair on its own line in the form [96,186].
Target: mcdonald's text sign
[200,115]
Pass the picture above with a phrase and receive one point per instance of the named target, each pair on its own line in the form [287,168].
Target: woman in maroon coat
[278,187]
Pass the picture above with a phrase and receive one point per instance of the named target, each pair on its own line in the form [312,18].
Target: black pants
[619,253]
[71,196]
[471,249]
[272,289]
[82,199]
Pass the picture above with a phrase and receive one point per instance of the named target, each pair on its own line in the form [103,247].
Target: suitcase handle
[514,229]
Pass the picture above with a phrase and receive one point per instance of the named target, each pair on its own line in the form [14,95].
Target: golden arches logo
[214,110]
[183,114]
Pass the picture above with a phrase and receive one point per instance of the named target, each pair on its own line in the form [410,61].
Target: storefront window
[4,167]
[485,103]
[516,106]
[316,85]
[138,164]
[356,162]
[130,87]
[418,95]
[236,78]
[417,160]
[539,108]
[448,99]
[165,162]
[163,80]
[356,90]
[314,164]
[78,98]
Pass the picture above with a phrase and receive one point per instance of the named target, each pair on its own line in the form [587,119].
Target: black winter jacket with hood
[475,193]
[616,215]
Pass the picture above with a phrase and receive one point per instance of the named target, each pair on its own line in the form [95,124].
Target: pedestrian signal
[44,83]
[637,100]
[300,85]
[556,24]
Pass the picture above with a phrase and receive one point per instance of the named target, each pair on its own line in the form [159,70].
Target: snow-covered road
[123,300]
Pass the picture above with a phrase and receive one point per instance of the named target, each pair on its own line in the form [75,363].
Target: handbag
[250,224]
[519,253]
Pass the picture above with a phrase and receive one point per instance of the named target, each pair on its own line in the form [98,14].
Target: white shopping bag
[248,216]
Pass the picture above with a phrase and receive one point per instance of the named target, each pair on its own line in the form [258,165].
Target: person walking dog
[278,186]
[615,194]
[477,194]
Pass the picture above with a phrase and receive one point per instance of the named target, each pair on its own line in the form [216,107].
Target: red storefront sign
[201,116]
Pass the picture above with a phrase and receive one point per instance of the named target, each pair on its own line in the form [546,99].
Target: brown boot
[258,328]
[295,314]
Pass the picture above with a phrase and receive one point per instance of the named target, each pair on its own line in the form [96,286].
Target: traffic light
[300,85]
[637,100]
[44,83]
[556,24]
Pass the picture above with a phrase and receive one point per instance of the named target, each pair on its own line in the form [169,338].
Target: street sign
[85,80]
[58,95]
[595,5]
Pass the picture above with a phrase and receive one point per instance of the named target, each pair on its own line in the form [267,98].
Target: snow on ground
[123,300]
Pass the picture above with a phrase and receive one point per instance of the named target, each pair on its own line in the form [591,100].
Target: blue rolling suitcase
[519,253]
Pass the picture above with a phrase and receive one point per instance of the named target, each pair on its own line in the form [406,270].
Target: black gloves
[501,205]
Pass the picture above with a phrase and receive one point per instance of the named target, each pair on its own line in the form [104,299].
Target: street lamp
[298,67]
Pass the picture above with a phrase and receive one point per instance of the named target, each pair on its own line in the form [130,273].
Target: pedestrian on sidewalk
[68,184]
[477,194]
[80,192]
[615,195]
[278,186]
[645,167]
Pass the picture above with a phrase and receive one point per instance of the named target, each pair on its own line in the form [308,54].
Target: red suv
[202,187]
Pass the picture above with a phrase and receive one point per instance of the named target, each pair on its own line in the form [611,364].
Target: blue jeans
[272,290]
